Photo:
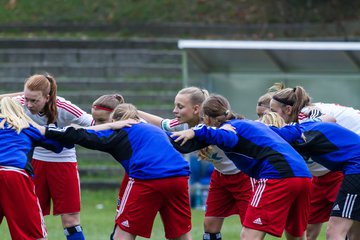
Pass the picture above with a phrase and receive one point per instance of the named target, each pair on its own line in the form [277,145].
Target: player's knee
[74,233]
[212,236]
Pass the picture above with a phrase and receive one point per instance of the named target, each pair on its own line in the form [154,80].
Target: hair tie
[226,112]
[47,77]
[294,89]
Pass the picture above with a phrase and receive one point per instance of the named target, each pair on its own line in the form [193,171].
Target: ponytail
[51,108]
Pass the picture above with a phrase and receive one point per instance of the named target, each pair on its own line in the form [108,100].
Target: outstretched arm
[113,125]
[212,136]
[188,147]
[327,118]
[39,140]
[151,118]
[101,127]
[104,141]
[290,133]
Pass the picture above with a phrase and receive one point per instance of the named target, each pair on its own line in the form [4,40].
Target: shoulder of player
[64,105]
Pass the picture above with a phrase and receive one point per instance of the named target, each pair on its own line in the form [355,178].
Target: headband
[283,101]
[102,108]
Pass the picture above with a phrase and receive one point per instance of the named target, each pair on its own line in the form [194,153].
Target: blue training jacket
[16,149]
[329,144]
[256,150]
[144,150]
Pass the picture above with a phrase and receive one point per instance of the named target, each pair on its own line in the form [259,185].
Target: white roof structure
[330,71]
[275,56]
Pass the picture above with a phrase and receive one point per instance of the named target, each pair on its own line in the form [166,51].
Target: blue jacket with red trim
[329,144]
[255,149]
[144,150]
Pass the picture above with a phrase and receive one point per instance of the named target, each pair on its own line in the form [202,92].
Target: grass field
[97,217]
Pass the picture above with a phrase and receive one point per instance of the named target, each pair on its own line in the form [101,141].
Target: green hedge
[183,11]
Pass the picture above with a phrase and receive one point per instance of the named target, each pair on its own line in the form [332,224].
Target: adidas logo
[336,208]
[257,221]
[125,223]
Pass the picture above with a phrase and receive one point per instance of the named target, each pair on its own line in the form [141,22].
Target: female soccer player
[230,189]
[338,149]
[158,175]
[282,195]
[56,175]
[263,103]
[101,110]
[103,106]
[294,105]
[18,201]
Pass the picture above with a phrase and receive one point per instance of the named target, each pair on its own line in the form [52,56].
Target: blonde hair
[272,119]
[276,87]
[264,100]
[197,95]
[14,114]
[125,111]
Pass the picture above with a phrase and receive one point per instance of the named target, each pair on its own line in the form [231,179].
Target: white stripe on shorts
[349,205]
[258,193]
[253,184]
[125,196]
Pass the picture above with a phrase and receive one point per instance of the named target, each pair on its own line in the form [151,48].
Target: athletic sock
[74,233]
[212,236]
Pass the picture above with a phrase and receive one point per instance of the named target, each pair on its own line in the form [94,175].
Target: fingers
[182,136]
[179,138]
[229,128]
[174,135]
[123,123]
[185,140]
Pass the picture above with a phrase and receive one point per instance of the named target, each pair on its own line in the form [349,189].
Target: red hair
[46,84]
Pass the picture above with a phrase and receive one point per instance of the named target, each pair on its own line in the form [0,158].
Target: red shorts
[123,186]
[58,181]
[228,195]
[20,206]
[279,204]
[142,200]
[324,191]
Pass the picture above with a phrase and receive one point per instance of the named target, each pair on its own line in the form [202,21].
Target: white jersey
[68,113]
[216,156]
[347,117]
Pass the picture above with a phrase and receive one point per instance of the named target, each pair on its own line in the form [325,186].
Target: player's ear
[197,109]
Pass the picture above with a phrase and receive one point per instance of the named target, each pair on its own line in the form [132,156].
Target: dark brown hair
[218,107]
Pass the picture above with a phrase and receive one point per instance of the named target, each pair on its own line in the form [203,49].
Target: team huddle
[294,168]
